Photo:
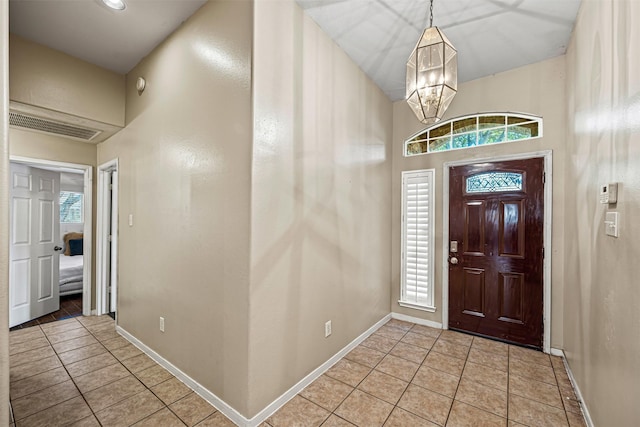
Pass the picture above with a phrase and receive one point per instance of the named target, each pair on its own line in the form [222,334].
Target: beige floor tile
[192,409]
[26,334]
[336,421]
[380,343]
[485,375]
[163,418]
[27,370]
[437,381]
[138,363]
[299,412]
[444,363]
[74,344]
[126,352]
[409,352]
[63,414]
[363,409]
[535,390]
[90,421]
[365,356]
[383,386]
[576,420]
[571,405]
[426,404]
[348,372]
[101,377]
[106,335]
[30,356]
[95,320]
[463,415]
[91,364]
[426,330]
[81,353]
[32,344]
[401,418]
[43,399]
[532,370]
[529,356]
[490,346]
[67,335]
[114,343]
[455,337]
[450,349]
[535,414]
[38,382]
[419,340]
[170,390]
[488,359]
[399,324]
[60,326]
[112,393]
[483,397]
[397,367]
[216,420]
[153,375]
[131,410]
[326,392]
[391,332]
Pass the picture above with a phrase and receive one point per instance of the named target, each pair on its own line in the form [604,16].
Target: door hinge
[110,186]
[109,237]
[542,253]
[544,177]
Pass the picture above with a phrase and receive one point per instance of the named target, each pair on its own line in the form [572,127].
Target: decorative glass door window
[493,182]
[473,131]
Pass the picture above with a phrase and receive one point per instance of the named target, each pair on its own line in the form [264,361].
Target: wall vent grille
[49,126]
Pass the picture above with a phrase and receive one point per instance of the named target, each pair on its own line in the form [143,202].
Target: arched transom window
[473,131]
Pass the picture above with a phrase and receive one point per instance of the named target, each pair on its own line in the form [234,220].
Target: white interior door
[35,230]
[113,239]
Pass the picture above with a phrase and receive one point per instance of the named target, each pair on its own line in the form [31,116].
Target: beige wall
[4,213]
[602,322]
[47,78]
[185,174]
[536,89]
[320,223]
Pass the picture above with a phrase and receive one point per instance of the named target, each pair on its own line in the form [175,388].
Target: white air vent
[42,120]
[48,126]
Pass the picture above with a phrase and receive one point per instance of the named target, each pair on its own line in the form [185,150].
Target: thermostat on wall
[609,193]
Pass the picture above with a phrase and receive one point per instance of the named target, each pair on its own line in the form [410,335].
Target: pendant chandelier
[432,74]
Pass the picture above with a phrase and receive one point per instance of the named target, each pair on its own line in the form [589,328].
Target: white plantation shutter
[417,238]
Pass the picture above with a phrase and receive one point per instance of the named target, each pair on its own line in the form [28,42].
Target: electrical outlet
[327,329]
[162,324]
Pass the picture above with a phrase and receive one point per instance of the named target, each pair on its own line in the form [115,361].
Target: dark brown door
[496,217]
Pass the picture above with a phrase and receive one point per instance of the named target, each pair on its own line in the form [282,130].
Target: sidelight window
[417,239]
[473,131]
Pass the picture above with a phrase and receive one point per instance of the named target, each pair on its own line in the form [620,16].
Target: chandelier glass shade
[432,76]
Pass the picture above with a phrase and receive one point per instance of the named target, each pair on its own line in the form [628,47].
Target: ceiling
[490,35]
[90,31]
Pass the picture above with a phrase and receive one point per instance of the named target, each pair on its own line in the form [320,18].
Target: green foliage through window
[472,131]
[71,205]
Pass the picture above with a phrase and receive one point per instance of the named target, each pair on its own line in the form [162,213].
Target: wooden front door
[496,255]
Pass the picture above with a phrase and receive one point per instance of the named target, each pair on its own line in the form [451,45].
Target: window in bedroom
[417,240]
[71,207]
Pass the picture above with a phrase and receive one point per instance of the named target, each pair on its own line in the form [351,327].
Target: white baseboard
[556,352]
[416,320]
[583,404]
[229,411]
[214,400]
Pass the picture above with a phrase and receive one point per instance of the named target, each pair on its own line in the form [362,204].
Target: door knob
[57,248]
[453,260]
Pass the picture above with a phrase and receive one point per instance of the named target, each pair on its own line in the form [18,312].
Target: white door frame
[548,192]
[104,219]
[88,219]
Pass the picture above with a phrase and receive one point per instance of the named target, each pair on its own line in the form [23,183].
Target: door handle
[57,248]
[453,260]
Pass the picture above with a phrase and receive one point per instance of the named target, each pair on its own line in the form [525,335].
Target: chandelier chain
[431,14]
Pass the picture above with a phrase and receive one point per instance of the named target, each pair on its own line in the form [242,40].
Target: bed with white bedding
[71,274]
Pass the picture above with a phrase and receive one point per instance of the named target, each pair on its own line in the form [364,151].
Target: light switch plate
[611,224]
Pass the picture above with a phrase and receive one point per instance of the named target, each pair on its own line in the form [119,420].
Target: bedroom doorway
[50,205]
[107,239]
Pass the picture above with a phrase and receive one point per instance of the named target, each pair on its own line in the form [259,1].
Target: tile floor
[70,306]
[80,372]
